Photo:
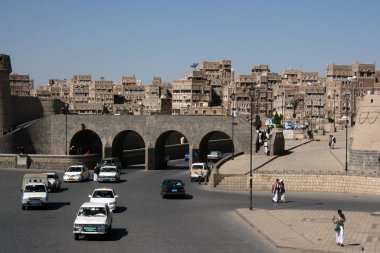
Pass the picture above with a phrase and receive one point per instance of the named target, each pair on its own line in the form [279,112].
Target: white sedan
[76,173]
[93,218]
[104,195]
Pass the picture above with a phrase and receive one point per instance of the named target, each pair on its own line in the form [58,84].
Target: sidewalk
[313,231]
[293,230]
[302,155]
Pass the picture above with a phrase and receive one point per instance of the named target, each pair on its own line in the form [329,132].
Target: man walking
[339,227]
[333,141]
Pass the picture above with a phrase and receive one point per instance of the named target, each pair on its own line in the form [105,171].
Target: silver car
[54,183]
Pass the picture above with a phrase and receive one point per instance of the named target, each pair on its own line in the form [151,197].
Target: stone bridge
[113,135]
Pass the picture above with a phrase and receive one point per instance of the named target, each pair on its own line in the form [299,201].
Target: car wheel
[22,207]
[76,236]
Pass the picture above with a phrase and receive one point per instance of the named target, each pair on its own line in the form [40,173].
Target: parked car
[54,183]
[110,161]
[109,173]
[288,127]
[93,219]
[187,156]
[172,188]
[214,156]
[104,195]
[76,173]
[199,171]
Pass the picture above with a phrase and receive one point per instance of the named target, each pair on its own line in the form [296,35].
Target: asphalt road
[143,222]
[203,222]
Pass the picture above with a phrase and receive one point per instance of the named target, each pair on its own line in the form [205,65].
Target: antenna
[194,65]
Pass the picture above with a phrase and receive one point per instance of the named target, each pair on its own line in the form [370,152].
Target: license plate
[174,190]
[89,229]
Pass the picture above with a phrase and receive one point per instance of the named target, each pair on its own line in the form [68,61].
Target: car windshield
[107,169]
[103,194]
[51,176]
[35,188]
[74,169]
[174,182]
[214,153]
[197,167]
[106,161]
[92,211]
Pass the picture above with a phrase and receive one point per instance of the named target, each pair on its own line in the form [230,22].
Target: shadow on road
[57,205]
[120,209]
[60,190]
[116,235]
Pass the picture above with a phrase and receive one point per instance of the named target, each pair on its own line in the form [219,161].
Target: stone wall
[26,109]
[364,159]
[365,146]
[48,162]
[351,182]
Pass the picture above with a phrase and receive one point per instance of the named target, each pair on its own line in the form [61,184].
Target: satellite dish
[194,65]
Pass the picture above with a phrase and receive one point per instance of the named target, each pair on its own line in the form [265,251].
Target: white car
[76,173]
[214,156]
[199,171]
[54,183]
[109,173]
[91,219]
[104,195]
[34,195]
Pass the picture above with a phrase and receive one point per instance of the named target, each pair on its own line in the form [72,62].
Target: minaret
[5,95]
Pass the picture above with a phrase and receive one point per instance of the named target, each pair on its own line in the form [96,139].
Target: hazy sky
[61,38]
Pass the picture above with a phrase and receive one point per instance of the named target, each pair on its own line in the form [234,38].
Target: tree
[294,104]
[276,119]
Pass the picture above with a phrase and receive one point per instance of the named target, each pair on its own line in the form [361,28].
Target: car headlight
[102,227]
[77,227]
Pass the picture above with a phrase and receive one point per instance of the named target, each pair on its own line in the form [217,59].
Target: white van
[199,171]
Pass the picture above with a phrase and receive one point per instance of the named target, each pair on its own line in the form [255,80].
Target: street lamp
[346,98]
[334,112]
[282,107]
[66,109]
[251,95]
[233,121]
[311,120]
[319,112]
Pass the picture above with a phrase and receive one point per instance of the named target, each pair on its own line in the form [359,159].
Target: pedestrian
[266,149]
[96,173]
[275,190]
[330,138]
[333,141]
[282,191]
[339,227]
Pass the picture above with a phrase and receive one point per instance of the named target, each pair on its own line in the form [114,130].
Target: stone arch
[215,140]
[85,141]
[129,147]
[170,145]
